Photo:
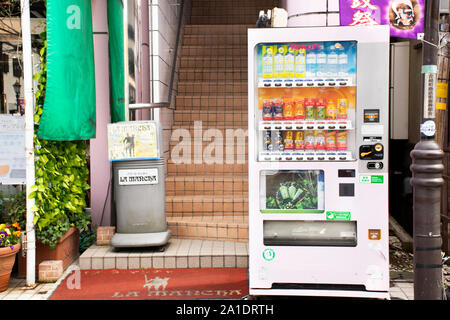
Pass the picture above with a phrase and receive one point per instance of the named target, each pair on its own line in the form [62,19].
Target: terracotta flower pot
[66,250]
[7,259]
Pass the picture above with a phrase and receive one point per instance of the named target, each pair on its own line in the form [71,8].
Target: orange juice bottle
[299,109]
[299,143]
[341,140]
[288,140]
[288,110]
[342,108]
[331,110]
[330,140]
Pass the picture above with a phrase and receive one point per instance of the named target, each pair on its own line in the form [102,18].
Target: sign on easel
[133,140]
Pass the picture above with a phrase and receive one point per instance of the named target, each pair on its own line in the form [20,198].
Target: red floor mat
[115,284]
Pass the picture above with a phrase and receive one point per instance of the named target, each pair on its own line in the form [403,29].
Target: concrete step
[191,206]
[210,88]
[206,102]
[217,148]
[229,12]
[217,18]
[234,3]
[178,253]
[207,185]
[200,74]
[225,228]
[214,51]
[218,29]
[214,62]
[235,131]
[193,169]
[214,39]
[219,117]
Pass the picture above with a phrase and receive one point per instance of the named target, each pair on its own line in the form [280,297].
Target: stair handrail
[165,104]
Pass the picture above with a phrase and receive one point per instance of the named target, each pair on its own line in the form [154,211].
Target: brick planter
[66,250]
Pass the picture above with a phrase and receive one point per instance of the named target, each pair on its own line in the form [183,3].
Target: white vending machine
[318,161]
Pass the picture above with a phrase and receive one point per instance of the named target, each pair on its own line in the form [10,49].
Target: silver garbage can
[139,193]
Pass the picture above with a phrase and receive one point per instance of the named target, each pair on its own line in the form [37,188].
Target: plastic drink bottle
[289,63]
[300,63]
[342,61]
[309,109]
[299,112]
[321,62]
[278,60]
[267,109]
[330,140]
[267,63]
[320,109]
[288,109]
[299,143]
[332,62]
[331,110]
[319,140]
[311,63]
[341,140]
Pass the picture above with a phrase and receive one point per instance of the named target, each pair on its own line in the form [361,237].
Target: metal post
[427,171]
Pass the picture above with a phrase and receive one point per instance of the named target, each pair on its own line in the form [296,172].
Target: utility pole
[427,168]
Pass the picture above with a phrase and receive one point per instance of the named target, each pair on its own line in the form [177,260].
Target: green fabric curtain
[69,107]
[116,60]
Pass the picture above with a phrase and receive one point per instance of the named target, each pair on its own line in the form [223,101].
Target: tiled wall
[164,16]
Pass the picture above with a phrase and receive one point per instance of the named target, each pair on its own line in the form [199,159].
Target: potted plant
[61,185]
[58,240]
[9,246]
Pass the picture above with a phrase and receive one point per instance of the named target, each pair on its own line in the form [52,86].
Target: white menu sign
[12,149]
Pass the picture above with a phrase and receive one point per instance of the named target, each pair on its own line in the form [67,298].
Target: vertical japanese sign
[405,17]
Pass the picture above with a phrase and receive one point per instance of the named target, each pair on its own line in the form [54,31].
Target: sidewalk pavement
[402,288]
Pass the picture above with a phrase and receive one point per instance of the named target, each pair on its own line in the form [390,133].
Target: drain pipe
[29,133]
[145,58]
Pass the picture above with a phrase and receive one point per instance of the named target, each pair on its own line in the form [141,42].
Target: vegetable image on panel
[294,191]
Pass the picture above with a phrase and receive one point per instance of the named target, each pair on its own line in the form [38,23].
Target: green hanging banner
[116,60]
[69,107]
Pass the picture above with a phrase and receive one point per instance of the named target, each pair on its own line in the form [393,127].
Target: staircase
[207,199]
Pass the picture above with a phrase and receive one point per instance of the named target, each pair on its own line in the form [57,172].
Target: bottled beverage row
[325,59]
[309,140]
[304,109]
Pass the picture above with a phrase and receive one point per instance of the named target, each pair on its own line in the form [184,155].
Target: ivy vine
[61,175]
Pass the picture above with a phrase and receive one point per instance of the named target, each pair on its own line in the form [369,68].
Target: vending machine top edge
[318,161]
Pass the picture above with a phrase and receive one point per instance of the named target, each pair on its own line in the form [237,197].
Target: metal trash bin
[139,193]
[139,185]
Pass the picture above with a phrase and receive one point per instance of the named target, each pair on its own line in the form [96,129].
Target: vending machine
[318,161]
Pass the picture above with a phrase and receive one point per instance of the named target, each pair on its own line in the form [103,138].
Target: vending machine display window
[292,191]
[306,101]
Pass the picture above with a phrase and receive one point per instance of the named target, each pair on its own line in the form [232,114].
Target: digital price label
[371,115]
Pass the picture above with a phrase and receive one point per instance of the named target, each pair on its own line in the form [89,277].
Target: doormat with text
[117,284]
